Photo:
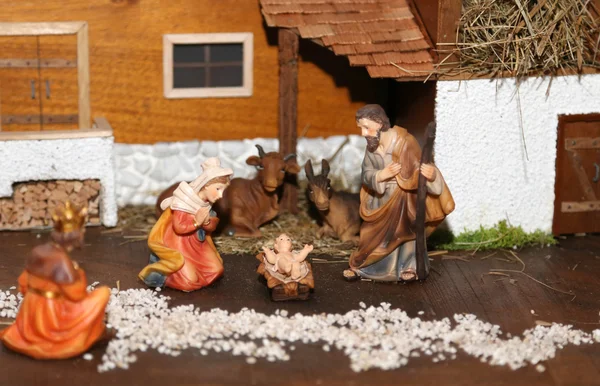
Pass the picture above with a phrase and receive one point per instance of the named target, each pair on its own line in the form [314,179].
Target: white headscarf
[185,197]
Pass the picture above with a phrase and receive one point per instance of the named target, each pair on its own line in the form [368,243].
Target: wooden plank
[288,108]
[423,28]
[458,289]
[35,119]
[83,77]
[575,173]
[580,206]
[21,95]
[506,74]
[54,134]
[582,143]
[34,63]
[449,13]
[582,176]
[49,28]
[101,123]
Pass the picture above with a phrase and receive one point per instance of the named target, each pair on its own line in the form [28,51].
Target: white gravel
[372,336]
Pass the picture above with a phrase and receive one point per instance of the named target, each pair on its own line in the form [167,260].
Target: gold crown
[69,217]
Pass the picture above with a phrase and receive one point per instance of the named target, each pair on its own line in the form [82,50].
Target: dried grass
[522,38]
[135,222]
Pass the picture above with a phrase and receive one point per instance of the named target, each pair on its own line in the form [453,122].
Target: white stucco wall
[143,171]
[480,147]
[69,159]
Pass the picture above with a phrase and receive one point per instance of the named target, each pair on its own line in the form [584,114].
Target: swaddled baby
[284,260]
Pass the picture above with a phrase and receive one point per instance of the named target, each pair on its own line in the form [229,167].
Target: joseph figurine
[388,200]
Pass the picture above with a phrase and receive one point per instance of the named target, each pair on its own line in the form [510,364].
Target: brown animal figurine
[249,203]
[339,211]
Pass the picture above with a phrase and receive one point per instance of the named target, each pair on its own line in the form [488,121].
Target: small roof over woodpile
[382,35]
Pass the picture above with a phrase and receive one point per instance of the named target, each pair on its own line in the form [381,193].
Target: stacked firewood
[33,203]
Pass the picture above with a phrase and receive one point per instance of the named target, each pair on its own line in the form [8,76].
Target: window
[207,65]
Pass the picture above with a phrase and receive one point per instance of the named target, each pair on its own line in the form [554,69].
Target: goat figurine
[339,211]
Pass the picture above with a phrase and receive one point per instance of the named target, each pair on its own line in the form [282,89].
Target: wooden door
[58,82]
[577,203]
[19,84]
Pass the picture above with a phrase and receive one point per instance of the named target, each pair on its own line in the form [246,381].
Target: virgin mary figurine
[183,254]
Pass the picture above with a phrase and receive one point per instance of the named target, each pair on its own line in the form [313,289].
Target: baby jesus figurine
[289,263]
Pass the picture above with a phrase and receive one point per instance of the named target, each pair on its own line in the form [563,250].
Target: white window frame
[246,38]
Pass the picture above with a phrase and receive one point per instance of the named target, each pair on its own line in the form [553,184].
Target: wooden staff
[421,247]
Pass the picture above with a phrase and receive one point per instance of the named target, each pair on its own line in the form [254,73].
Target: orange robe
[56,321]
[189,263]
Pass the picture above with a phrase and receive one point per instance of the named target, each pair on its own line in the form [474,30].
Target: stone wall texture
[143,171]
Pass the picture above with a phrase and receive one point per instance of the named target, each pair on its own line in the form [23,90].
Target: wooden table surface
[454,287]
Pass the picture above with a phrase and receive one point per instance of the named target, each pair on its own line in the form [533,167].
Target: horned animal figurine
[339,211]
[249,203]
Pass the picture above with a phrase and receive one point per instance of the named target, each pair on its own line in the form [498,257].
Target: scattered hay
[135,222]
[302,228]
[523,37]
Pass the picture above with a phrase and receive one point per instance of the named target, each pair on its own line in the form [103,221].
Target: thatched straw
[523,37]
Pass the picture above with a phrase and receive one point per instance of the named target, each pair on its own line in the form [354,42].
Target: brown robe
[388,226]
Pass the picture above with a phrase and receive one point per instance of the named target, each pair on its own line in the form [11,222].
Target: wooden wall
[127,75]
[412,106]
[428,10]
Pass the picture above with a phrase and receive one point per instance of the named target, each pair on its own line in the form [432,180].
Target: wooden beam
[506,74]
[288,109]
[35,63]
[580,206]
[83,77]
[102,129]
[24,119]
[101,123]
[419,19]
[449,12]
[582,143]
[33,29]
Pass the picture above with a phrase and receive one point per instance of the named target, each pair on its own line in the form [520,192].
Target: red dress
[188,262]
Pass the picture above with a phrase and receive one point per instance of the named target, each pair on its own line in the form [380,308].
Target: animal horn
[308,169]
[289,156]
[261,152]
[324,167]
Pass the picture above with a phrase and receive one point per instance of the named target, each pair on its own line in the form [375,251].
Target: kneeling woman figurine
[183,255]
[58,318]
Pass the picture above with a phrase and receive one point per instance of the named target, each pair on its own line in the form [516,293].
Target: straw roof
[524,37]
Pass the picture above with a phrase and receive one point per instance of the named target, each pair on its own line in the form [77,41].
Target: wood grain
[288,109]
[126,71]
[454,287]
[575,171]
[40,28]
[16,83]
[83,77]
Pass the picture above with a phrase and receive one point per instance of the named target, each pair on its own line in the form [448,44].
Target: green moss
[502,235]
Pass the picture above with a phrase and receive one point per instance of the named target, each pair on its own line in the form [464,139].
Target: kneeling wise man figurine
[388,201]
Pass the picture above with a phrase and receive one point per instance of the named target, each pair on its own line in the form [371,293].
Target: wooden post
[449,12]
[288,111]
[83,77]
